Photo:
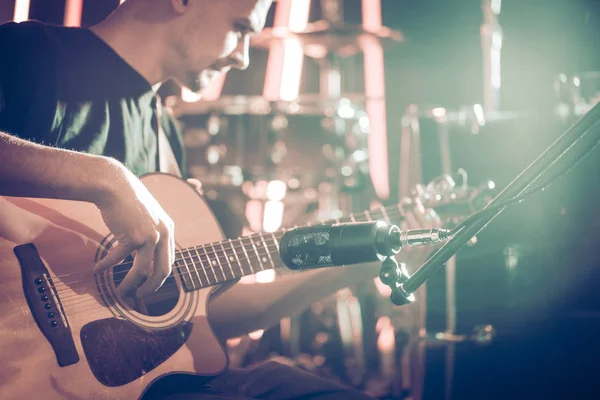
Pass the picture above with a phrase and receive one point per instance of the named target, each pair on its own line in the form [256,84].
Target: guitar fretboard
[220,262]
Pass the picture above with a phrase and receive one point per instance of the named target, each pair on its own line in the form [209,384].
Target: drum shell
[303,149]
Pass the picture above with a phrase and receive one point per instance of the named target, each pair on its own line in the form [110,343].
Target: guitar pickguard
[119,352]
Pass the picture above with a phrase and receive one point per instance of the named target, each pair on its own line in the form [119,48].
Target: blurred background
[393,101]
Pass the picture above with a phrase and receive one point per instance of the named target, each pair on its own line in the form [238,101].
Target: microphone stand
[570,147]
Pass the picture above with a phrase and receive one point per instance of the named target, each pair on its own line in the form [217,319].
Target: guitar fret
[192,260]
[189,257]
[385,215]
[217,260]
[242,272]
[267,250]
[204,269]
[196,269]
[374,215]
[212,263]
[275,254]
[246,254]
[262,267]
[275,241]
[187,273]
[400,209]
[227,257]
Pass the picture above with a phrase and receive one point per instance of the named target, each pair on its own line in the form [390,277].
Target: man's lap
[271,381]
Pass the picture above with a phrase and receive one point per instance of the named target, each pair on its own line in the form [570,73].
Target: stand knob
[390,272]
[483,334]
[400,297]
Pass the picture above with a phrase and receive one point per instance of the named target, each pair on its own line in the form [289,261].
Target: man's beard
[199,82]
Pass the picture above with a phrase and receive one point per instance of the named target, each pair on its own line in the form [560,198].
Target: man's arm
[244,308]
[129,210]
[32,170]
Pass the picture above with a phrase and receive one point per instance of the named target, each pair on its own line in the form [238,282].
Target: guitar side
[103,349]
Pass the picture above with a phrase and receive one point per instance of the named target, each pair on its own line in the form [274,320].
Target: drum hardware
[445,189]
[473,119]
[329,35]
[452,200]
[491,44]
[323,37]
[481,335]
[523,185]
[304,104]
[345,125]
[576,94]
[559,157]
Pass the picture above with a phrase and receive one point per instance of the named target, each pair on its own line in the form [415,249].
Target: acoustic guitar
[64,331]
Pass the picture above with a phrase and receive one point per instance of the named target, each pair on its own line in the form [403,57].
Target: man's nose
[241,56]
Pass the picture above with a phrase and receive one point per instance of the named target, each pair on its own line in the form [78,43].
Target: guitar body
[64,333]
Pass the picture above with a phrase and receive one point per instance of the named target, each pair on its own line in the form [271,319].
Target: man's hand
[196,184]
[417,216]
[140,225]
[129,210]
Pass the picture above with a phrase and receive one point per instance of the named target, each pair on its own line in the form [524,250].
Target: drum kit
[316,148]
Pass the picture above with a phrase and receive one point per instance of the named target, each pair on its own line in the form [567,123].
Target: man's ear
[180,5]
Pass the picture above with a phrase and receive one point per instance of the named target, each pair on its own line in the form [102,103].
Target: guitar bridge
[45,306]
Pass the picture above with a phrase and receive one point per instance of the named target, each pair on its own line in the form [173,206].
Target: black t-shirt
[66,87]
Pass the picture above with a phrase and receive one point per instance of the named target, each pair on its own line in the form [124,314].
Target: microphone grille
[307,248]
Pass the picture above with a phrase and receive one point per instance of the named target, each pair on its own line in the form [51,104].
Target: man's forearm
[32,170]
[245,308]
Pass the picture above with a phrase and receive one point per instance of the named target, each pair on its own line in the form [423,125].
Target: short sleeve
[24,64]
[5,66]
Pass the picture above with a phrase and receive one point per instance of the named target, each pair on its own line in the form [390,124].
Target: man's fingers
[172,250]
[196,184]
[114,257]
[141,269]
[161,268]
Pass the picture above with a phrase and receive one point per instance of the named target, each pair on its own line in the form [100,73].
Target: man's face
[212,36]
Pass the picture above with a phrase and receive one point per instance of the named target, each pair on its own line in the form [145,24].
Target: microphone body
[349,243]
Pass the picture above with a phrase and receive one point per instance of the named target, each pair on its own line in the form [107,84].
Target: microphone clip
[395,275]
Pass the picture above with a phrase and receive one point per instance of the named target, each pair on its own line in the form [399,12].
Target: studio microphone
[349,243]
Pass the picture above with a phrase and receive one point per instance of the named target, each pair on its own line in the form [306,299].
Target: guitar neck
[220,262]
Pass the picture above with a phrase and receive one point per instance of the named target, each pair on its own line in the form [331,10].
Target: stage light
[21,11]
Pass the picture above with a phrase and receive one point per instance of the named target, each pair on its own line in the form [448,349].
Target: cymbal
[307,104]
[322,37]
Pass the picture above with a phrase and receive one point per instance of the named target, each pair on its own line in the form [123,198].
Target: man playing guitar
[79,121]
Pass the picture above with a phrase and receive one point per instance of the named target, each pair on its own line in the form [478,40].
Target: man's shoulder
[27,30]
[29,57]
[24,41]
[22,36]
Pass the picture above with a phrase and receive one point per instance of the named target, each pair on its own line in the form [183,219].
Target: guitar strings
[194,259]
[209,271]
[214,272]
[96,296]
[191,257]
[383,211]
[188,250]
[153,296]
[94,302]
[210,274]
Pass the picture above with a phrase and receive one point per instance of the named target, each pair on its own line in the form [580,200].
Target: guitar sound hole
[154,304]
